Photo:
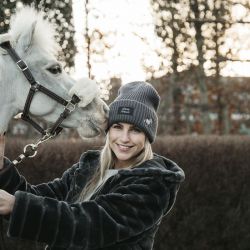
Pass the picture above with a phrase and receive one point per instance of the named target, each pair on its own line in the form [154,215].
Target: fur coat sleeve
[11,181]
[131,208]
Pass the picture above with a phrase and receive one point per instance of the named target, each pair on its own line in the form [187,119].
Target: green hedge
[212,210]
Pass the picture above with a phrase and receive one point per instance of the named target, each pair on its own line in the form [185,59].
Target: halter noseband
[35,86]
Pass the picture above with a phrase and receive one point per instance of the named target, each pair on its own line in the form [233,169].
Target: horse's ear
[27,38]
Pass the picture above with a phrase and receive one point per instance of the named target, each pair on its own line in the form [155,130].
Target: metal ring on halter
[70,106]
[28,151]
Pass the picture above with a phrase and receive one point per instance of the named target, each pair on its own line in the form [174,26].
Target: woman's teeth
[124,147]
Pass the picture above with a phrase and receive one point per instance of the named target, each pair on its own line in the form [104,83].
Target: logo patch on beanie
[125,111]
[148,121]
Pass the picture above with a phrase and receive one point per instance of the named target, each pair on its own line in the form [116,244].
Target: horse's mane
[44,34]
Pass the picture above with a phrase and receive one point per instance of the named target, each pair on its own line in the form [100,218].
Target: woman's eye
[136,130]
[55,69]
[116,126]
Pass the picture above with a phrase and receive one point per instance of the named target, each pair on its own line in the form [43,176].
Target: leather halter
[35,86]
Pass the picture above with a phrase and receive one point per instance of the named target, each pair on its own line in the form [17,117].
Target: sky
[130,47]
[126,15]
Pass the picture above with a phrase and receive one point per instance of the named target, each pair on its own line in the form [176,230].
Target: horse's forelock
[44,33]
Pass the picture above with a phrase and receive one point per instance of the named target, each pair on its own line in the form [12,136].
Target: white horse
[33,38]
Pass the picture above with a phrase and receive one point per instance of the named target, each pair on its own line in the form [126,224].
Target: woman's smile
[124,147]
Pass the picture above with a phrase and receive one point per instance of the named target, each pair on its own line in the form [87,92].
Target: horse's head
[33,38]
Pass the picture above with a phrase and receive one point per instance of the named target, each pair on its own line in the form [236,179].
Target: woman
[114,199]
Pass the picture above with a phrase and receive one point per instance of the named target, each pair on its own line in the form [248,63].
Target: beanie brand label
[125,111]
[148,121]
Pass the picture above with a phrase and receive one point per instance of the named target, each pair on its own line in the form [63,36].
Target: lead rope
[30,150]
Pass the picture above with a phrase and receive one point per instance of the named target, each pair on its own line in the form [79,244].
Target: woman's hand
[2,145]
[6,202]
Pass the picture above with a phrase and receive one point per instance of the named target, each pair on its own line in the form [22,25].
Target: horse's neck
[2,146]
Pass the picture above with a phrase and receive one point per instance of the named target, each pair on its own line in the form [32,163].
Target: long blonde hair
[107,161]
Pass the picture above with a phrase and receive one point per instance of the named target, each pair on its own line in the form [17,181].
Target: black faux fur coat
[124,214]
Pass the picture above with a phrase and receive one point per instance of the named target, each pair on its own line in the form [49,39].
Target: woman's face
[126,141]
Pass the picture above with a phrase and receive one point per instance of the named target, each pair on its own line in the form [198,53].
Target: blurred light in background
[136,42]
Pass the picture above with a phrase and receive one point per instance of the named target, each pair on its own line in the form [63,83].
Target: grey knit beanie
[137,104]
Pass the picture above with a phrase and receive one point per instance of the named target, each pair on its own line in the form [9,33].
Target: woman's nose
[124,136]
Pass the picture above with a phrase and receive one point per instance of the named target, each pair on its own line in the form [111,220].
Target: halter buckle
[22,65]
[70,106]
[35,87]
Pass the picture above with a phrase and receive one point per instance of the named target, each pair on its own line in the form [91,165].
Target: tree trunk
[226,121]
[187,114]
[87,37]
[175,90]
[205,120]
[206,124]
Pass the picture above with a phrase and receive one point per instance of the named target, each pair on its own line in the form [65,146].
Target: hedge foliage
[212,210]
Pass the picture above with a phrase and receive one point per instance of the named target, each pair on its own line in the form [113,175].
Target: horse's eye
[55,69]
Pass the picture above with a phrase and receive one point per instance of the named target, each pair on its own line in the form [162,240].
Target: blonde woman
[112,199]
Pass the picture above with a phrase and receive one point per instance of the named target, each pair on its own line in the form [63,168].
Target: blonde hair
[107,161]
